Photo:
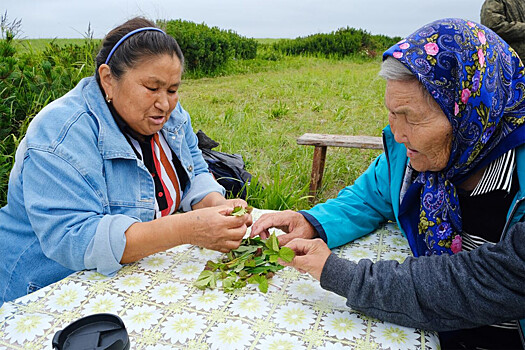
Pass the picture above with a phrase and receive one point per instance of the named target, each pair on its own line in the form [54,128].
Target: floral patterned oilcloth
[163,311]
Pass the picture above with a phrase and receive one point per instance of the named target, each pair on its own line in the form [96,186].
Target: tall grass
[260,115]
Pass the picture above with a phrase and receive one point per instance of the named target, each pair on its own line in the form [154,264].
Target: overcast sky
[251,18]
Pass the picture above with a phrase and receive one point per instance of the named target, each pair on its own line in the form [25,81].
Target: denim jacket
[77,186]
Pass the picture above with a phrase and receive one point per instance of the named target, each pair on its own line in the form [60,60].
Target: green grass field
[260,115]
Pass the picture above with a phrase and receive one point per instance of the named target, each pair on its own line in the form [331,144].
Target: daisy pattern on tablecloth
[92,276]
[23,328]
[132,283]
[67,297]
[168,292]
[141,317]
[160,347]
[206,254]
[393,228]
[6,310]
[396,241]
[107,302]
[279,341]
[334,300]
[27,300]
[183,327]
[432,339]
[188,271]
[306,290]
[396,337]
[398,256]
[180,248]
[210,299]
[358,253]
[337,346]
[155,262]
[370,238]
[250,306]
[294,316]
[344,325]
[230,335]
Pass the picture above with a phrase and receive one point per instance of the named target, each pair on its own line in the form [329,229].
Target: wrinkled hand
[238,202]
[214,228]
[291,222]
[310,256]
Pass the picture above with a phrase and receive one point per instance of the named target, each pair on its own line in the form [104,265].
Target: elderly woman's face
[421,126]
[146,95]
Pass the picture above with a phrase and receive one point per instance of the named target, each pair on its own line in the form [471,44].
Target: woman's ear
[106,80]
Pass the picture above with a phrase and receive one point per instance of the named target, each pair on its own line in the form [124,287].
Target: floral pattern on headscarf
[478,81]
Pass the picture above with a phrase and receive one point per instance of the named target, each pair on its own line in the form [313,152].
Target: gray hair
[392,69]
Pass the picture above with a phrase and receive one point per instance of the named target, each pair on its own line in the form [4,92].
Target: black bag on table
[228,169]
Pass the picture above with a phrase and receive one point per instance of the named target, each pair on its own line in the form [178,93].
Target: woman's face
[146,95]
[417,122]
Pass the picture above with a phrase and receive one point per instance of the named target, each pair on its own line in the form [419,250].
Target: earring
[108,100]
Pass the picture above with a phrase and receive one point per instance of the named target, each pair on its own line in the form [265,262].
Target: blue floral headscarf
[478,81]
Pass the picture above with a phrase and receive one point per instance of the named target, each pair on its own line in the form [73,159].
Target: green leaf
[261,280]
[206,279]
[239,267]
[247,264]
[286,254]
[228,284]
[263,285]
[272,242]
[250,262]
[246,249]
[212,266]
[239,211]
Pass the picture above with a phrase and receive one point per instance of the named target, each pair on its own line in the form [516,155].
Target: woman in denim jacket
[101,169]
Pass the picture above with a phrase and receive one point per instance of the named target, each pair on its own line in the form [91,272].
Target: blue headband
[143,29]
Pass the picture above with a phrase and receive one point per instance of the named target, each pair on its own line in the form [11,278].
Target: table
[162,310]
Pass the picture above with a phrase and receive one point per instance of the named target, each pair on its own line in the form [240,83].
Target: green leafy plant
[255,261]
[240,211]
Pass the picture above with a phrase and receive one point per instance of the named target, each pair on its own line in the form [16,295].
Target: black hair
[136,48]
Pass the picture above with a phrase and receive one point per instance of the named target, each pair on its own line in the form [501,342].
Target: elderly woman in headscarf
[453,178]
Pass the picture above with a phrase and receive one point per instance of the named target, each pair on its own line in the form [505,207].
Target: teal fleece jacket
[468,289]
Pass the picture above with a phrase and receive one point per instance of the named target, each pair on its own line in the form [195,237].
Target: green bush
[30,80]
[340,43]
[207,49]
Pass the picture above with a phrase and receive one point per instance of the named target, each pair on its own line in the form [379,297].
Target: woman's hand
[310,256]
[291,222]
[215,199]
[214,228]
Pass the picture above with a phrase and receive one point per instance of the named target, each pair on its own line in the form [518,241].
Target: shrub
[29,81]
[207,49]
[340,43]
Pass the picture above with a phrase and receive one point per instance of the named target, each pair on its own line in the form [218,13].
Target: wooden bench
[322,141]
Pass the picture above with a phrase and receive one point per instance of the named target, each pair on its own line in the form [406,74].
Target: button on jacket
[77,186]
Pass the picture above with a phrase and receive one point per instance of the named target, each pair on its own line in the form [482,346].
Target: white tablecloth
[162,310]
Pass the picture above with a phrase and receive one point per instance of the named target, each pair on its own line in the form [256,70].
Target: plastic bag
[228,169]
